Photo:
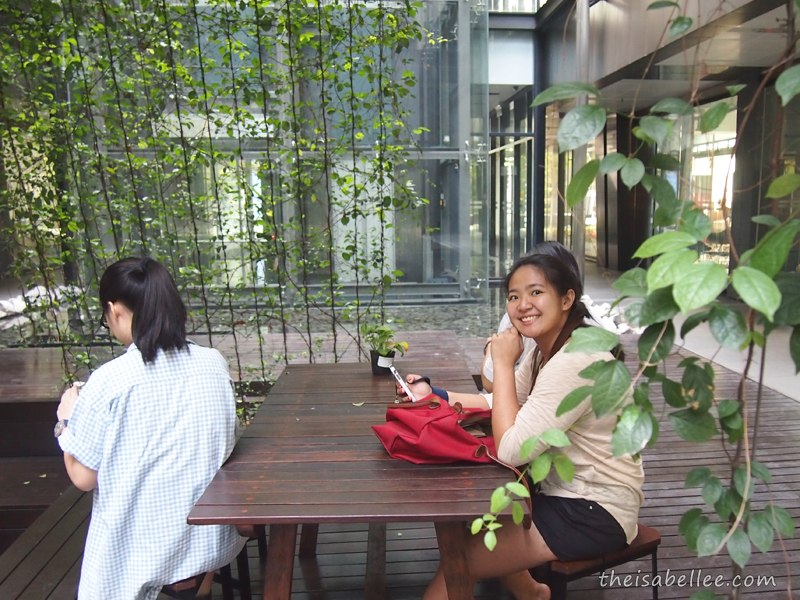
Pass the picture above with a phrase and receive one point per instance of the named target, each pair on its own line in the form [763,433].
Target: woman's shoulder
[207,357]
[575,361]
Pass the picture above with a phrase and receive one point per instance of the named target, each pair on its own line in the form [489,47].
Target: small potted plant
[382,346]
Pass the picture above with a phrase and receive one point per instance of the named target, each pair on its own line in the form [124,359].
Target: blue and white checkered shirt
[156,434]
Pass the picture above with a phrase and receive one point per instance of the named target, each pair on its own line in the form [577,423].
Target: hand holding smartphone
[402,383]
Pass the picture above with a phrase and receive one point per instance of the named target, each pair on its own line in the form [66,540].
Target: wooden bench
[558,574]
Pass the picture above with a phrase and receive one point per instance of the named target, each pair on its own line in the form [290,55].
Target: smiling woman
[595,512]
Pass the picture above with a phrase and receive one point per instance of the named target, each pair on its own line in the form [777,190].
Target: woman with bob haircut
[594,514]
[147,432]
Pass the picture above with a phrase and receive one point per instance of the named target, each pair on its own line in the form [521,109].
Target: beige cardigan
[614,483]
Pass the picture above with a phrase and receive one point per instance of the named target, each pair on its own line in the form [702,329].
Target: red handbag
[432,431]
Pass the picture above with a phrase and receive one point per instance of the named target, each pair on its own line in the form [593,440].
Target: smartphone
[402,383]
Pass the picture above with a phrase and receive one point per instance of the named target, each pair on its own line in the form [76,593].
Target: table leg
[280,562]
[450,536]
[375,588]
[308,540]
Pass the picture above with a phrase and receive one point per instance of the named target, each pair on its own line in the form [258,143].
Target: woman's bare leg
[517,550]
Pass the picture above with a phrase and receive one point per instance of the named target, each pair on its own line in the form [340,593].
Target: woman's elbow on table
[82,477]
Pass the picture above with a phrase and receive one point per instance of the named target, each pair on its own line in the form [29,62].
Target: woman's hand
[420,389]
[506,347]
[67,404]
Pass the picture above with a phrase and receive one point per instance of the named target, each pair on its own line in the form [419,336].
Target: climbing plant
[259,150]
[669,280]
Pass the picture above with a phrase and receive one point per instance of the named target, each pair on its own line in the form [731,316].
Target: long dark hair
[147,289]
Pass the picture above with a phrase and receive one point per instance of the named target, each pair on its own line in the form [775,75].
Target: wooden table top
[310,456]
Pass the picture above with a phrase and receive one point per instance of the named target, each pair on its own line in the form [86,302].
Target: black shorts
[576,529]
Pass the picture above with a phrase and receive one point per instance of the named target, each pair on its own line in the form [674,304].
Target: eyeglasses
[104,321]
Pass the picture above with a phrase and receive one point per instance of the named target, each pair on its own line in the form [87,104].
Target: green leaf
[688,517]
[669,268]
[794,348]
[761,532]
[780,520]
[658,306]
[712,490]
[680,25]
[773,251]
[562,91]
[664,194]
[648,340]
[726,408]
[499,501]
[572,400]
[761,471]
[739,547]
[665,162]
[784,185]
[673,393]
[518,489]
[672,106]
[612,163]
[592,339]
[632,283]
[655,128]
[728,326]
[710,538]
[666,216]
[610,387]
[663,4]
[768,220]
[540,467]
[757,290]
[664,242]
[696,477]
[632,432]
[693,531]
[713,117]
[528,446]
[556,438]
[564,467]
[741,481]
[734,90]
[788,84]
[639,133]
[693,321]
[692,425]
[490,540]
[581,182]
[702,284]
[695,222]
[517,513]
[476,526]
[580,126]
[593,369]
[633,313]
[632,172]
[788,312]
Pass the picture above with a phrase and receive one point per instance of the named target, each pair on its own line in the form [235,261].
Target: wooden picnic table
[311,457]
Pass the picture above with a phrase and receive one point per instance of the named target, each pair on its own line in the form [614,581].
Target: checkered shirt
[156,434]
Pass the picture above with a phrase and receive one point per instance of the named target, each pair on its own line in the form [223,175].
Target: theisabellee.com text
[694,578]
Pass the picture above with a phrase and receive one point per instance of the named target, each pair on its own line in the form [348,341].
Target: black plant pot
[380,369]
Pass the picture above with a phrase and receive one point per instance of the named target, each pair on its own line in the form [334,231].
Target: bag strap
[527,520]
[473,418]
[422,403]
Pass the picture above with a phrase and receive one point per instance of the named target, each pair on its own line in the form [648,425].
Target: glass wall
[708,167]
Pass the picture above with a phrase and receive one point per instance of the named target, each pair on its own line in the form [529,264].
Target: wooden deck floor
[412,557]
